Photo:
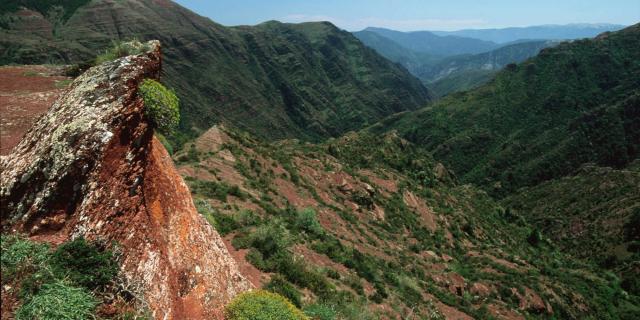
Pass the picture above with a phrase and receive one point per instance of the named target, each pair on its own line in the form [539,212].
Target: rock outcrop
[91,167]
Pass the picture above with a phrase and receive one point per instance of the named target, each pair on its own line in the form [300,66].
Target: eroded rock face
[91,167]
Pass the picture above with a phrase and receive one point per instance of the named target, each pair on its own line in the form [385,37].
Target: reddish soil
[26,92]
[253,274]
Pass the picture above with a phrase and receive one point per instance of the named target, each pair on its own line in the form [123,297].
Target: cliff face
[91,167]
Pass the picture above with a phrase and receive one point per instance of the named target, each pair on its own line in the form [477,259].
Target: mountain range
[549,32]
[308,81]
[310,163]
[460,60]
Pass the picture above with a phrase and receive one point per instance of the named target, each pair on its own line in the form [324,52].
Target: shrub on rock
[262,305]
[161,106]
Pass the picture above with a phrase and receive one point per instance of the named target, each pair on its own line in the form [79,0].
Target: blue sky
[409,15]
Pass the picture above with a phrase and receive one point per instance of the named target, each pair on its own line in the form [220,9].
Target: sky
[409,15]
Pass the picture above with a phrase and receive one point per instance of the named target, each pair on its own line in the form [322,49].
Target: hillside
[549,32]
[539,120]
[449,72]
[459,73]
[429,43]
[309,81]
[601,227]
[371,227]
[410,59]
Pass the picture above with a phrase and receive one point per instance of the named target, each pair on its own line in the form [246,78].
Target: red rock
[480,289]
[91,167]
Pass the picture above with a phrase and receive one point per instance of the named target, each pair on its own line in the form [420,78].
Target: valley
[326,174]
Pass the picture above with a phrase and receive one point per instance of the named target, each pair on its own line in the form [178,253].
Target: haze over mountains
[547,32]
[319,165]
[460,60]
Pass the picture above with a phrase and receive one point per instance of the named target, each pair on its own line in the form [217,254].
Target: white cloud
[401,25]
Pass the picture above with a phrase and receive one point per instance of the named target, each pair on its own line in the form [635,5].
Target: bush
[161,105]
[58,301]
[308,221]
[281,286]
[320,312]
[121,49]
[83,263]
[19,254]
[262,305]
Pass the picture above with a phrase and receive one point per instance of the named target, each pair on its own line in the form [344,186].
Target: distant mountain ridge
[547,32]
[473,64]
[437,45]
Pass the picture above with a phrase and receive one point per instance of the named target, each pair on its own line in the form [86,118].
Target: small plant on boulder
[121,49]
[161,105]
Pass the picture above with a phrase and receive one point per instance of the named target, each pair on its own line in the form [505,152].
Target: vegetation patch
[58,300]
[262,305]
[162,106]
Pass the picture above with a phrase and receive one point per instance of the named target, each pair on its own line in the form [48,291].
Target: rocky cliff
[91,167]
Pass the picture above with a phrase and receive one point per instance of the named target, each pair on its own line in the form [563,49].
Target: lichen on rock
[91,167]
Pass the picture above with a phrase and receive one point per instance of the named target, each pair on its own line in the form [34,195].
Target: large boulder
[91,167]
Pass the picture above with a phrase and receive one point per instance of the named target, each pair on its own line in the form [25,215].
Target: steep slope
[592,214]
[466,72]
[572,104]
[275,80]
[371,227]
[91,167]
[410,59]
[427,42]
[549,32]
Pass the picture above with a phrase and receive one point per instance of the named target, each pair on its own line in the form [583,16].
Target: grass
[59,284]
[121,49]
[58,301]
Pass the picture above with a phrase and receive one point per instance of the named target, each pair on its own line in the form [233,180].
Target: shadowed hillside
[308,81]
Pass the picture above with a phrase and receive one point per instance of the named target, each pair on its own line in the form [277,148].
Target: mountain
[459,73]
[450,73]
[548,32]
[602,229]
[410,59]
[430,43]
[100,174]
[370,226]
[574,103]
[309,81]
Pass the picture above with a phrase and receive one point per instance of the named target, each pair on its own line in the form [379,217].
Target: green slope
[308,81]
[464,72]
[592,215]
[371,226]
[574,103]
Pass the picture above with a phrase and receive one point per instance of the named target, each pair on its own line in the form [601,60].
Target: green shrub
[121,49]
[262,305]
[320,312]
[85,264]
[58,301]
[20,254]
[308,221]
[161,105]
[281,286]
